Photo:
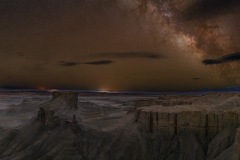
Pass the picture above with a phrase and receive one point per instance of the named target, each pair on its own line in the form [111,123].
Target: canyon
[67,125]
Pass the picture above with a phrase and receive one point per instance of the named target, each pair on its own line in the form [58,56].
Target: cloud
[71,64]
[68,64]
[119,55]
[101,62]
[127,55]
[210,8]
[226,58]
[196,78]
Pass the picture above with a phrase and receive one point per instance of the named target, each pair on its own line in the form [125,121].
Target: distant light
[104,90]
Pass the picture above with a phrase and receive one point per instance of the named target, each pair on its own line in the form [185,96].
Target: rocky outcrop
[47,117]
[71,98]
[202,123]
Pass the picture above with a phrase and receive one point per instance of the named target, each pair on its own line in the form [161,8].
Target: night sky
[131,45]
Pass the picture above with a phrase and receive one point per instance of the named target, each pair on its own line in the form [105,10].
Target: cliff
[173,121]
[216,131]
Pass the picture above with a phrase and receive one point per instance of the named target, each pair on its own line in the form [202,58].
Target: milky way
[208,28]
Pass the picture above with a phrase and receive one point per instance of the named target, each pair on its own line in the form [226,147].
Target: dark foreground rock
[38,141]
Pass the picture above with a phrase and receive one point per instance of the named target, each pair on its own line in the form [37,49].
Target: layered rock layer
[202,123]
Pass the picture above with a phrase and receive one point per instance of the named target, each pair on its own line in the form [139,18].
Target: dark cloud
[196,78]
[211,61]
[101,62]
[71,64]
[68,64]
[210,8]
[120,55]
[227,58]
[147,55]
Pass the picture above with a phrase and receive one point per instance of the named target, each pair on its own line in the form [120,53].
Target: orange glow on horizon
[41,88]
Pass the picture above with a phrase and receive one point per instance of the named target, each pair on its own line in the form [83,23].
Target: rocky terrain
[167,127]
